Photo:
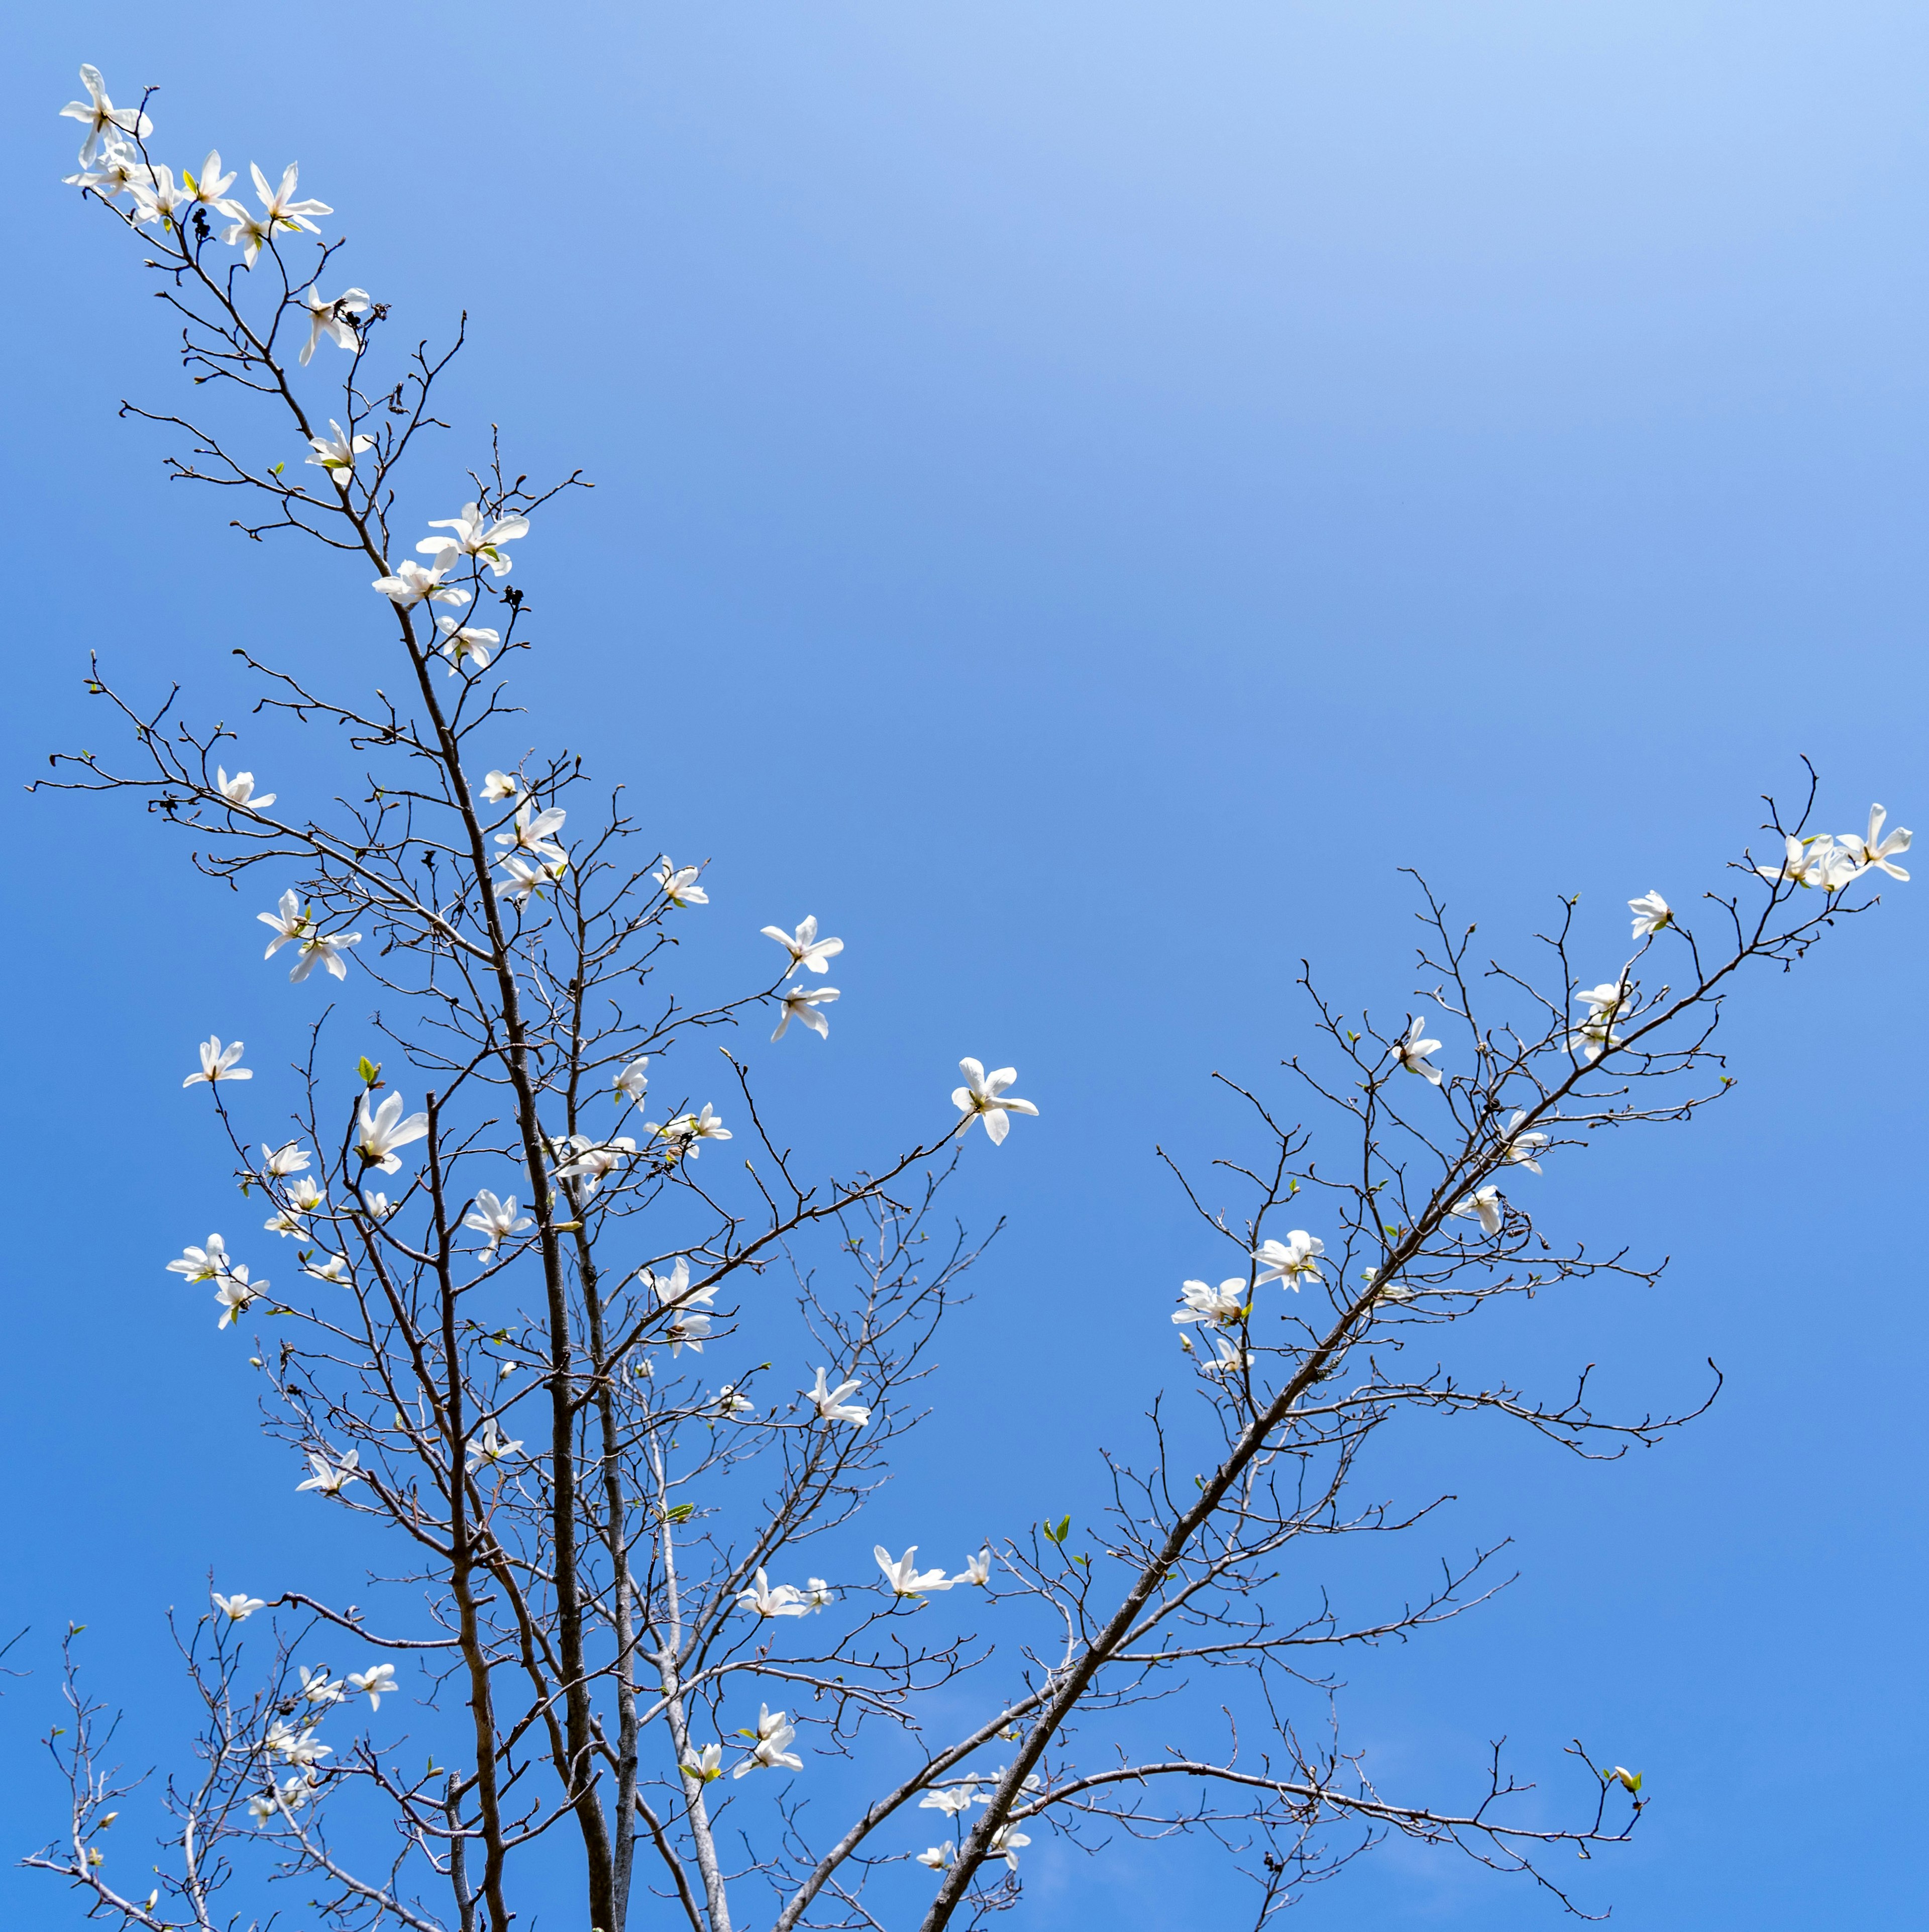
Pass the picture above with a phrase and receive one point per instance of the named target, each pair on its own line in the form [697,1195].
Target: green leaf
[370,1071]
[679,1513]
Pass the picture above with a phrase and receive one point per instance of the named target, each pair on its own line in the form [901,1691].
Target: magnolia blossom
[1871,850]
[376,1683]
[208,1263]
[118,171]
[321,949]
[236,1293]
[288,923]
[410,584]
[302,1747]
[157,199]
[475,642]
[531,830]
[1232,1358]
[1293,1262]
[496,786]
[817,1593]
[1651,913]
[379,1134]
[632,1081]
[782,1600]
[218,1064]
[280,211]
[953,1800]
[239,1608]
[1604,1004]
[1410,1051]
[982,1098]
[1484,1205]
[239,790]
[772,1750]
[732,1403]
[683,1134]
[1212,1306]
[805,948]
[674,1287]
[302,1198]
[331,318]
[679,884]
[496,1219]
[701,1767]
[377,1206]
[475,535]
[801,1002]
[331,1478]
[491,1447]
[331,1268]
[692,1330]
[210,185]
[291,1157]
[831,1404]
[1816,860]
[1005,1842]
[595,1160]
[1521,1148]
[904,1576]
[938,1857]
[977,1569]
[318,1688]
[99,114]
[525,878]
[337,454]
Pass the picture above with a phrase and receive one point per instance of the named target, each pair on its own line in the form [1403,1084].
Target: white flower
[674,1287]
[301,1747]
[331,318]
[235,1293]
[211,184]
[1521,1148]
[331,1478]
[376,1683]
[288,1158]
[772,1748]
[1411,1051]
[953,1800]
[321,949]
[262,1807]
[496,786]
[679,884]
[1651,913]
[690,1329]
[1005,1842]
[1871,850]
[100,114]
[410,584]
[977,1569]
[684,1133]
[936,1856]
[218,1064]
[378,1135]
[701,1768]
[1293,1262]
[830,1403]
[595,1160]
[289,922]
[525,878]
[318,1688]
[279,211]
[1604,1004]
[496,1219]
[805,948]
[118,171]
[208,1263]
[801,1002]
[337,454]
[785,1600]
[239,1608]
[475,535]
[303,1197]
[376,1206]
[732,1403]
[531,830]
[475,642]
[982,1098]
[157,199]
[904,1576]
[817,1593]
[491,1448]
[1232,1357]
[1210,1305]
[331,1268]
[239,790]
[632,1081]
[1484,1205]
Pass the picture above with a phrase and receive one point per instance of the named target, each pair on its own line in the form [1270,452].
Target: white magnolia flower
[674,1287]
[983,1098]
[1484,1205]
[117,171]
[1651,913]
[531,832]
[235,1293]
[376,1683]
[936,1856]
[239,1608]
[289,921]
[526,878]
[679,884]
[905,1578]
[953,1800]
[331,1478]
[210,185]
[817,1593]
[772,1748]
[475,642]
[830,1402]
[239,790]
[218,1064]
[156,198]
[733,1403]
[377,1206]
[1410,1051]
[805,948]
[496,786]
[683,1134]
[1231,1358]
[595,1160]
[1523,1149]
[208,1263]
[701,1768]
[321,949]
[379,1134]
[99,114]
[496,1219]
[410,584]
[331,318]
[318,1688]
[783,1599]
[291,1157]
[474,534]
[262,1807]
[1871,850]
[692,1330]
[632,1081]
[1604,1004]
[1212,1306]
[337,454]
[801,1002]
[1291,1262]
[1005,1843]
[303,1197]
[279,212]
[977,1569]
[491,1447]
[331,1268]
[296,1746]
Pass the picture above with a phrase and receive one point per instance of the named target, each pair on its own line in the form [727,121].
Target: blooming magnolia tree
[509,1279]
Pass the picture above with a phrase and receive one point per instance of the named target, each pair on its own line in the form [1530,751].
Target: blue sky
[1085,493]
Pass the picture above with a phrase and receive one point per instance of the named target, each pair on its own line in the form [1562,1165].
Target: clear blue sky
[1085,491]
